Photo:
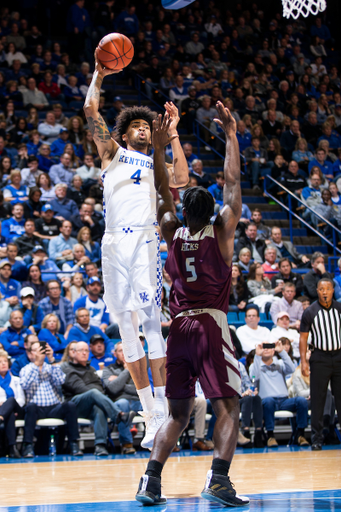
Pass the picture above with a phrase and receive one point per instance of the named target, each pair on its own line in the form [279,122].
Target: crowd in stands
[281,82]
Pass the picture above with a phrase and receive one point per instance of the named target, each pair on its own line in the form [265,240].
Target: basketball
[115,51]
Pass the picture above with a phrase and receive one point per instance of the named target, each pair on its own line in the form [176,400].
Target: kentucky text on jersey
[136,161]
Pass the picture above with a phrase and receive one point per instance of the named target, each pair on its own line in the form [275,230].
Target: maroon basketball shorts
[199,346]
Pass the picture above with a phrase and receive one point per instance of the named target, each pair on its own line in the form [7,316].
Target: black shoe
[258,440]
[125,417]
[101,451]
[28,452]
[75,450]
[219,489]
[316,447]
[14,452]
[149,491]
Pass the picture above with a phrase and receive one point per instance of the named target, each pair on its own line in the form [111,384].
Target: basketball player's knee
[132,349]
[156,346]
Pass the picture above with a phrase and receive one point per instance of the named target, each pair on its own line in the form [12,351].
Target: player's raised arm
[229,215]
[165,215]
[178,173]
[106,146]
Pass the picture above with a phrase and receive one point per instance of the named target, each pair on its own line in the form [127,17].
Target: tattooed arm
[106,146]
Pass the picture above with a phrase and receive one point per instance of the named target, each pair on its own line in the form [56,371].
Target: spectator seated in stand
[258,284]
[202,178]
[217,191]
[42,383]
[318,270]
[46,227]
[250,402]
[82,330]
[270,265]
[282,330]
[14,227]
[79,260]
[61,307]
[34,281]
[92,249]
[12,400]
[63,208]
[244,259]
[256,159]
[32,313]
[83,388]
[251,333]
[47,267]
[94,304]
[86,218]
[286,249]
[62,172]
[13,338]
[18,268]
[33,97]
[251,242]
[50,328]
[286,275]
[270,367]
[30,174]
[50,129]
[322,163]
[15,192]
[61,246]
[25,244]
[239,291]
[99,358]
[9,288]
[190,156]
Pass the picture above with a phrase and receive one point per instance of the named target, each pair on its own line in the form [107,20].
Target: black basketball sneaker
[149,491]
[219,489]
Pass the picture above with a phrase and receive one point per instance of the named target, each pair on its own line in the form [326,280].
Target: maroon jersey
[200,276]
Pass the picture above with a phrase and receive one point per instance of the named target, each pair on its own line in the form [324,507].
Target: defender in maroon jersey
[199,344]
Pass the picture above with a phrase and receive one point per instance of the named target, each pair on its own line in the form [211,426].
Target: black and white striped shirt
[324,325]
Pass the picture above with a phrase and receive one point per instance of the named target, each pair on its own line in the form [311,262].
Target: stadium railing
[292,197]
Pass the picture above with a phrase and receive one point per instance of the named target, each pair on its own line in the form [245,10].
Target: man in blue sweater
[9,288]
[83,331]
[13,338]
[14,227]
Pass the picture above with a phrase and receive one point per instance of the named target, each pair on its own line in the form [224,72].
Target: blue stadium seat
[263,317]
[241,316]
[232,317]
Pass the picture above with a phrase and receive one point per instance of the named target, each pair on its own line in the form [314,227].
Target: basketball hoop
[296,8]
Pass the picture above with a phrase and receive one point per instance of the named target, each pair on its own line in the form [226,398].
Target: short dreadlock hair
[199,204]
[128,115]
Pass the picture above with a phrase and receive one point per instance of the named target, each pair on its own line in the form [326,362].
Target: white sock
[160,400]
[146,398]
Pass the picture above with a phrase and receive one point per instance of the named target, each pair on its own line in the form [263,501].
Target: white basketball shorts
[132,270]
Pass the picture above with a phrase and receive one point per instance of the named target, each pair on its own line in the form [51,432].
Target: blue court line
[316,501]
[145,455]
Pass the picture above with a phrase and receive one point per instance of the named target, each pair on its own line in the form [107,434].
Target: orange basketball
[115,51]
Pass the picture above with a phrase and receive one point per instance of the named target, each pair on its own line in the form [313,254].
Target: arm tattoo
[99,129]
[94,90]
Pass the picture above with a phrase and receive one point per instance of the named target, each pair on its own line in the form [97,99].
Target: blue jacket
[106,359]
[12,229]
[244,141]
[57,343]
[57,147]
[28,313]
[77,17]
[11,289]
[76,334]
[337,167]
[95,254]
[326,168]
[19,363]
[19,270]
[334,141]
[9,336]
[65,208]
[44,163]
[129,23]
[217,193]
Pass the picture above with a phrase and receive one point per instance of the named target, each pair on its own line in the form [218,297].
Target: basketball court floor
[284,479]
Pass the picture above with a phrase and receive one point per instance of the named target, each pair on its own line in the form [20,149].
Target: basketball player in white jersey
[131,264]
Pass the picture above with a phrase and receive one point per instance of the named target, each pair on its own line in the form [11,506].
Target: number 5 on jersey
[136,177]
[190,268]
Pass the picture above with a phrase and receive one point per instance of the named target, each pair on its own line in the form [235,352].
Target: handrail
[291,213]
[140,80]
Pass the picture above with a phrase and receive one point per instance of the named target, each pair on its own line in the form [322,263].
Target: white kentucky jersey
[129,195]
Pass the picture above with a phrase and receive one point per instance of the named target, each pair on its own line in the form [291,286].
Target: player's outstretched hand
[173,112]
[103,71]
[226,121]
[160,138]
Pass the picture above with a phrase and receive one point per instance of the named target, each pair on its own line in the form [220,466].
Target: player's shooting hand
[173,112]
[161,126]
[103,71]
[226,121]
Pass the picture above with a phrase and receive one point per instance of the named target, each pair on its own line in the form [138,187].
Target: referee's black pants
[324,367]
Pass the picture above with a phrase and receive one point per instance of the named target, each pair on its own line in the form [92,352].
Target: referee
[323,321]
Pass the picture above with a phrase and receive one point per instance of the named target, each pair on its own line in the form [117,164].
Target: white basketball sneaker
[153,421]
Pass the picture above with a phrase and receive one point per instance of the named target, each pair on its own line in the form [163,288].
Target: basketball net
[296,8]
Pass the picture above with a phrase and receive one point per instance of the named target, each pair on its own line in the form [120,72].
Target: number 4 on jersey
[136,177]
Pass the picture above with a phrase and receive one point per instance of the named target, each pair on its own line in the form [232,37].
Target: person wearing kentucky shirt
[14,227]
[13,339]
[82,330]
[99,358]
[93,303]
[9,288]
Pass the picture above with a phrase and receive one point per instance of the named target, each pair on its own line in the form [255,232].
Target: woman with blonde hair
[88,145]
[50,328]
[301,155]
[76,130]
[92,249]
[15,192]
[70,150]
[324,144]
[68,355]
